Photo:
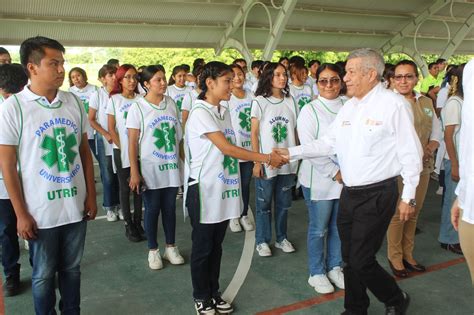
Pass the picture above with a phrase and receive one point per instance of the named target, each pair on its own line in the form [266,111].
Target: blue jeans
[157,200]
[277,189]
[9,239]
[322,225]
[246,169]
[93,147]
[58,250]
[447,233]
[107,176]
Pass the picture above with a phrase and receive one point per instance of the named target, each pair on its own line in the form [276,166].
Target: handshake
[279,157]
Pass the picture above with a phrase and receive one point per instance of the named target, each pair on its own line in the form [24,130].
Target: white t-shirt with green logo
[48,137]
[239,109]
[160,134]
[85,95]
[277,121]
[188,100]
[99,101]
[177,94]
[119,106]
[302,94]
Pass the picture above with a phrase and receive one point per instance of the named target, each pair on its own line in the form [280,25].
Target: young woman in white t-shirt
[274,113]
[98,120]
[154,133]
[124,94]
[321,182]
[190,97]
[239,108]
[177,88]
[301,92]
[213,194]
[78,86]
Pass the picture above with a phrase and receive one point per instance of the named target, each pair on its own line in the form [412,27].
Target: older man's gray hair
[371,59]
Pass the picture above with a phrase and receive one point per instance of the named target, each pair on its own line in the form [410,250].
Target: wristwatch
[410,202]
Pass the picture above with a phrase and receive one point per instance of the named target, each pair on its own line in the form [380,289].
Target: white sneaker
[246,223]
[154,260]
[111,216]
[120,214]
[235,225]
[285,246]
[321,284]
[337,277]
[439,191]
[173,256]
[264,250]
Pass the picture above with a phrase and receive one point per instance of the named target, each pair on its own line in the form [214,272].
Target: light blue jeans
[57,250]
[277,189]
[447,233]
[322,226]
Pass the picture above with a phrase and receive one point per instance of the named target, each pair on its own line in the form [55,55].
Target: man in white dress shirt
[375,141]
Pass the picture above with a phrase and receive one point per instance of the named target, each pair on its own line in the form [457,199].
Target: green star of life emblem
[279,132]
[303,101]
[166,137]
[244,117]
[179,102]
[125,115]
[85,102]
[60,149]
[230,163]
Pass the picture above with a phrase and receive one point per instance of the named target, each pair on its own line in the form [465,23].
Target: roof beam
[459,37]
[412,25]
[275,35]
[236,22]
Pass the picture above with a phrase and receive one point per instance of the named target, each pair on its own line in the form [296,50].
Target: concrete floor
[116,278]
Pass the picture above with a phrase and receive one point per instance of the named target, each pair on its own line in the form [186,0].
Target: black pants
[9,238]
[206,252]
[123,178]
[362,222]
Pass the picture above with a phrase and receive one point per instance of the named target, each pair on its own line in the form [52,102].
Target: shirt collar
[366,97]
[30,96]
[213,108]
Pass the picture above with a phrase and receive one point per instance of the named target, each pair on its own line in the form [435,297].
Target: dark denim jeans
[9,238]
[57,250]
[156,201]
[108,177]
[277,189]
[246,169]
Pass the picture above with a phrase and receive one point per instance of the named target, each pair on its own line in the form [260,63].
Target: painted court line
[333,296]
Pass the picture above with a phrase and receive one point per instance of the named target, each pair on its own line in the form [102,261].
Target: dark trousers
[123,178]
[160,200]
[362,222]
[246,169]
[9,239]
[206,252]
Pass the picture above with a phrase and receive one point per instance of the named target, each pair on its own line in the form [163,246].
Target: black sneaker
[222,306]
[11,286]
[132,234]
[204,307]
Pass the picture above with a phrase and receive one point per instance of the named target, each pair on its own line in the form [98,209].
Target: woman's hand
[257,170]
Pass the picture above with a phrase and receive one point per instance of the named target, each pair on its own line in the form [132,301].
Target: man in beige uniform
[401,234]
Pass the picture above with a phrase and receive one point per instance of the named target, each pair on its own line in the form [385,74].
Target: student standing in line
[154,134]
[177,88]
[123,95]
[98,119]
[213,183]
[12,80]
[301,92]
[321,181]
[42,133]
[78,86]
[274,113]
[191,97]
[239,109]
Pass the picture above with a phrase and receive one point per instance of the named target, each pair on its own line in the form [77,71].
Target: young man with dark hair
[4,56]
[113,62]
[433,81]
[54,195]
[12,80]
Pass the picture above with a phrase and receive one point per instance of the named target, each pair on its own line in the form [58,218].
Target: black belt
[372,186]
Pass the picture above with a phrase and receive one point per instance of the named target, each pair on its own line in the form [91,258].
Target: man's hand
[406,211]
[455,214]
[90,208]
[26,227]
[277,160]
[283,152]
[338,177]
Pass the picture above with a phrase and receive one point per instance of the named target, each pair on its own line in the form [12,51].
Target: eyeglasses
[408,77]
[333,81]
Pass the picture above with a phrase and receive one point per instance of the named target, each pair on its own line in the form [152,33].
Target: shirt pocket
[372,140]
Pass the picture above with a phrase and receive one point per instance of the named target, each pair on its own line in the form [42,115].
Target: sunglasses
[408,77]
[333,81]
